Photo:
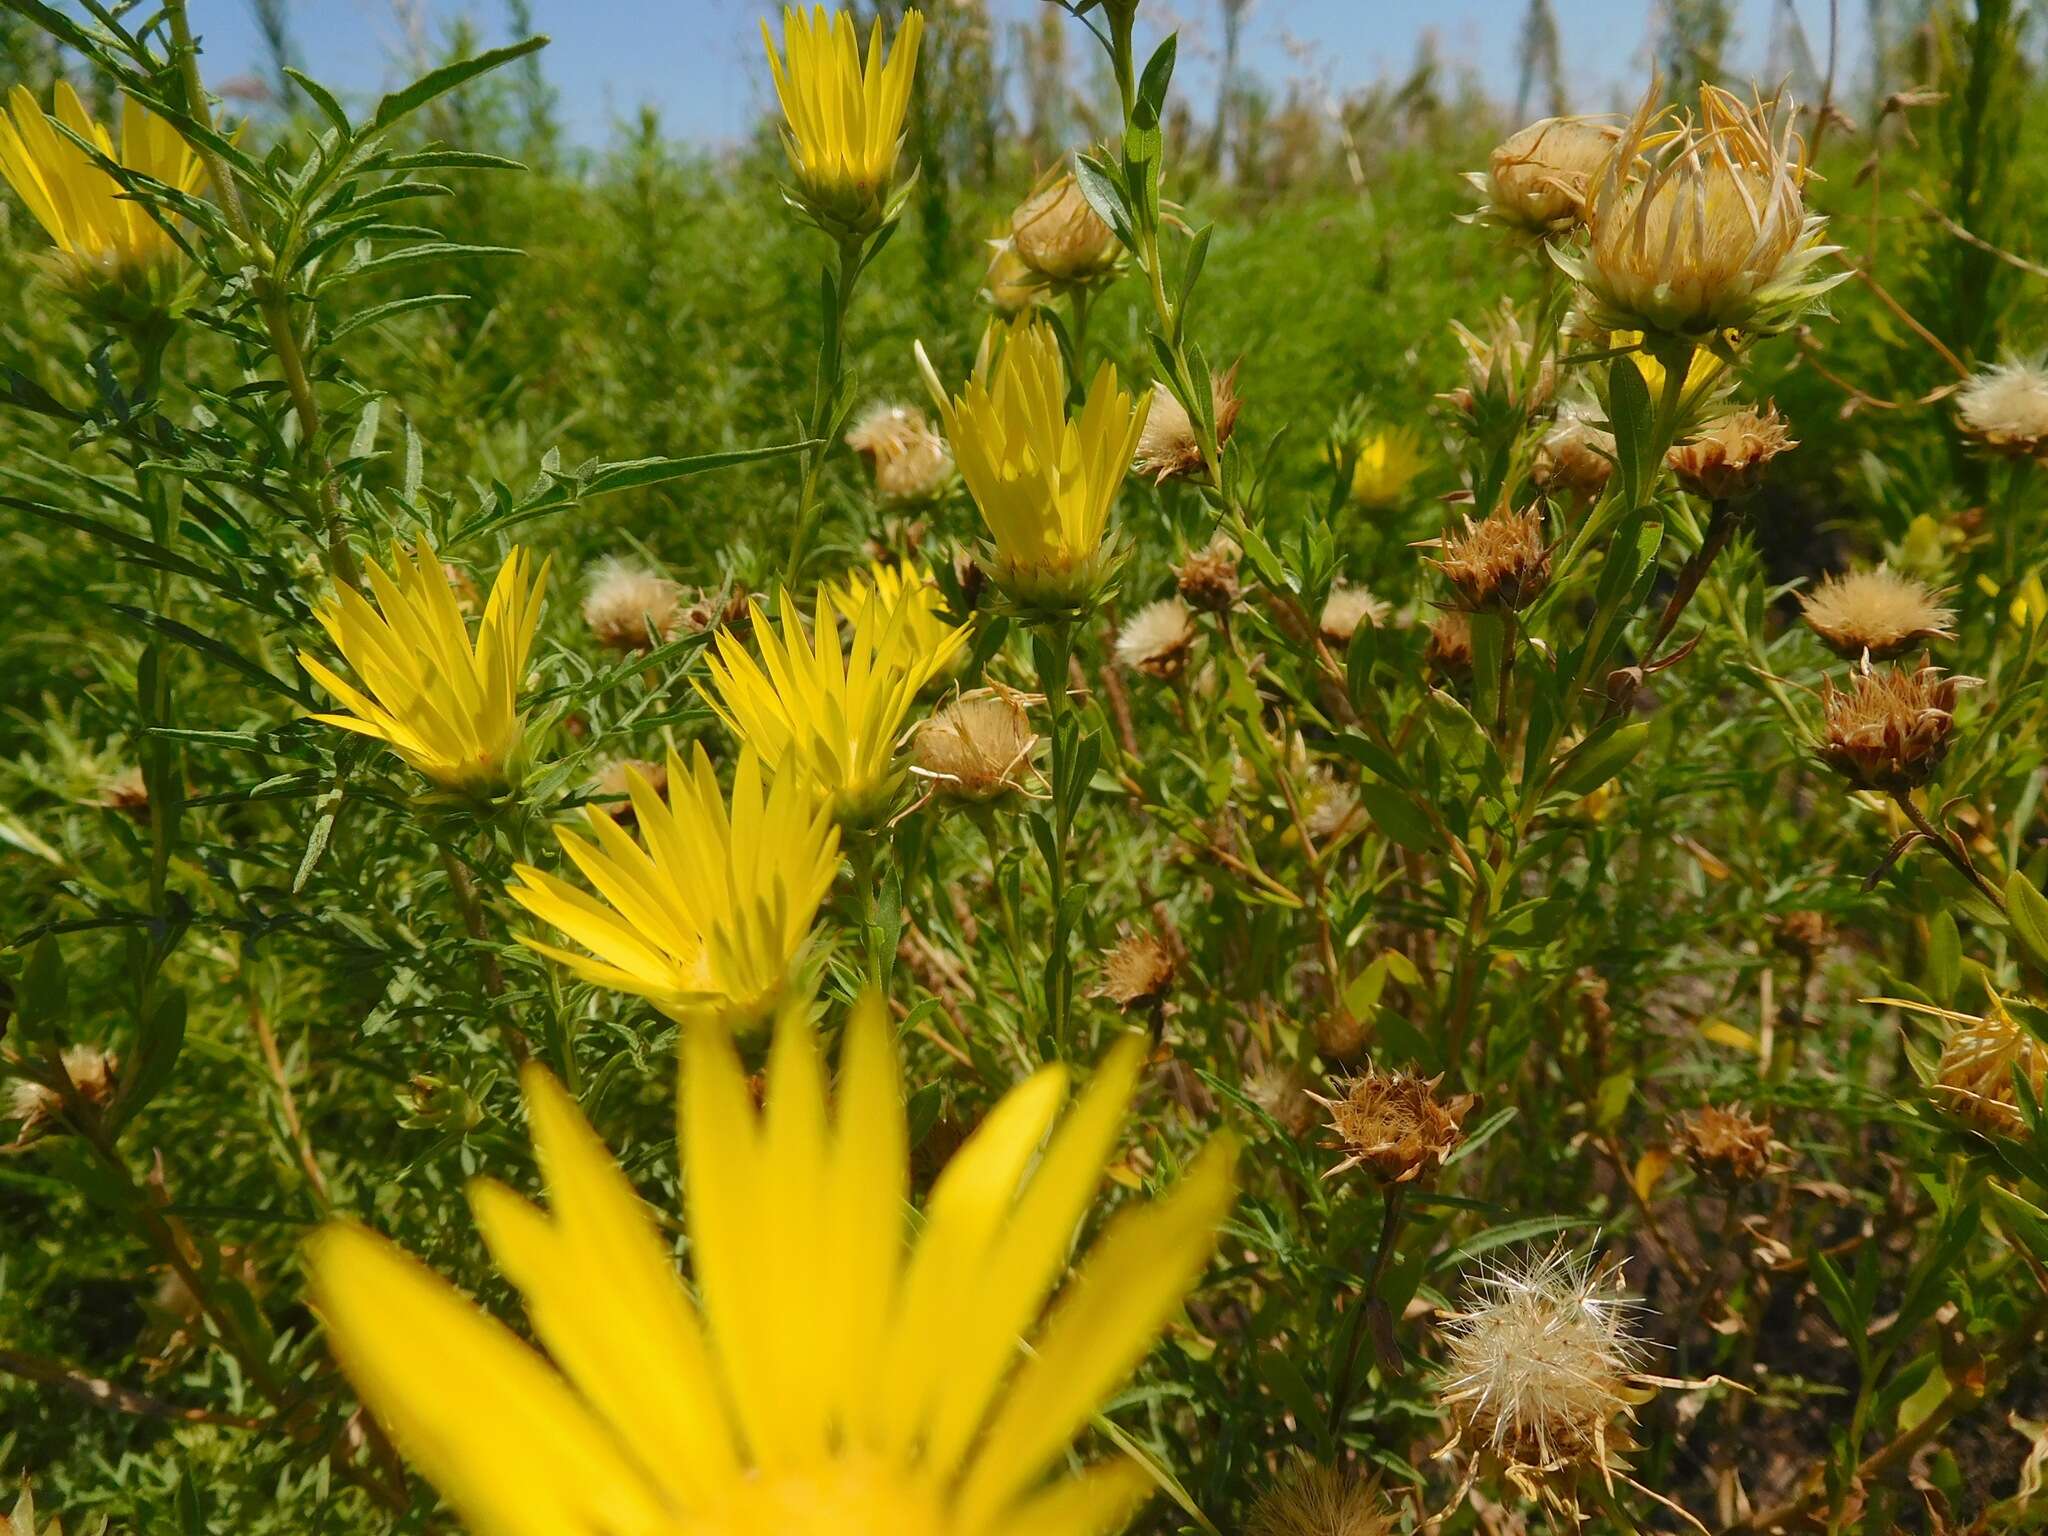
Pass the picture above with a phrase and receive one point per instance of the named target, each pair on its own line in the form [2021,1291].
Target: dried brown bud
[1393,1124]
[1339,1036]
[1726,1145]
[1878,613]
[1283,1093]
[1137,973]
[1805,933]
[1059,238]
[911,462]
[1889,729]
[1537,178]
[1208,576]
[1576,456]
[34,1107]
[1315,1500]
[1500,563]
[1449,651]
[1727,456]
[612,788]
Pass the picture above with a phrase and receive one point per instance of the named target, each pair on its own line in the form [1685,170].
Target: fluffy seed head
[1315,1500]
[1059,238]
[629,607]
[1890,728]
[1330,809]
[1282,1092]
[977,748]
[1538,178]
[1726,457]
[1878,613]
[1393,1124]
[911,463]
[1207,577]
[1974,1077]
[1158,639]
[1499,563]
[1138,972]
[1167,447]
[1577,454]
[1724,1143]
[2006,409]
[1346,608]
[92,1073]
[611,787]
[1541,1362]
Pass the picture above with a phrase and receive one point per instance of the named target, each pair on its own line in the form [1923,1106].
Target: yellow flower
[1045,482]
[1389,462]
[843,118]
[449,708]
[109,243]
[821,1378]
[829,712]
[908,585]
[707,915]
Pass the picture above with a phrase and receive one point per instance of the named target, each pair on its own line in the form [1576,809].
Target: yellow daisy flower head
[903,584]
[450,708]
[1389,463]
[828,710]
[1699,225]
[823,1377]
[111,252]
[842,116]
[1045,481]
[707,916]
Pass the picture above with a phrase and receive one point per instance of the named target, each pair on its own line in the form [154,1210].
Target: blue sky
[699,61]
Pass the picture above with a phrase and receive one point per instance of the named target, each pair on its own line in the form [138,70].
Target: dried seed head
[1208,576]
[1059,238]
[1724,1144]
[1538,178]
[1158,639]
[1541,1363]
[1498,369]
[1577,454]
[1346,608]
[1449,650]
[629,607]
[126,792]
[1727,456]
[977,748]
[1889,729]
[1315,1500]
[1805,933]
[969,576]
[911,463]
[611,786]
[1393,1124]
[1974,1077]
[92,1072]
[1499,563]
[1282,1092]
[711,608]
[1339,1035]
[2005,408]
[1168,448]
[1877,613]
[1138,972]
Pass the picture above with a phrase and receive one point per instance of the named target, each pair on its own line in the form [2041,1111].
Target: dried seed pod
[1890,728]
[1393,1124]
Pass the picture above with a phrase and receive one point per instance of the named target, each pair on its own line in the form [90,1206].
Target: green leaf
[1628,412]
[2026,909]
[1599,758]
[1394,813]
[158,1043]
[377,314]
[45,987]
[401,104]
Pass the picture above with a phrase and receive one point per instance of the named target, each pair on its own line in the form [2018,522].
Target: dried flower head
[1538,177]
[1805,933]
[1577,454]
[1138,972]
[1168,447]
[612,785]
[1500,562]
[1699,226]
[1207,577]
[910,462]
[1345,609]
[1889,729]
[1979,1060]
[1448,652]
[1393,1124]
[1158,639]
[2006,409]
[977,748]
[1059,238]
[1283,1093]
[712,609]
[1340,1035]
[1315,1500]
[126,792]
[1724,1143]
[1726,457]
[92,1072]
[629,607]
[1498,369]
[1877,613]
[1542,1363]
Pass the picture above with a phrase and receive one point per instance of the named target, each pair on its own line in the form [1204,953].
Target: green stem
[825,390]
[1054,654]
[1390,1226]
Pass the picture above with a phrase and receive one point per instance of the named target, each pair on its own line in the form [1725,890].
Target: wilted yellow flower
[843,119]
[110,247]
[2006,409]
[1059,238]
[1878,613]
[1726,457]
[827,712]
[707,915]
[911,463]
[1890,728]
[1389,462]
[907,585]
[821,1377]
[449,708]
[1537,179]
[977,748]
[1700,226]
[1045,482]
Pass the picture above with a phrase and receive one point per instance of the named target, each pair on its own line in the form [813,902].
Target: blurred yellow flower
[708,918]
[449,708]
[907,585]
[104,236]
[843,119]
[1389,462]
[1045,482]
[828,712]
[821,1378]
